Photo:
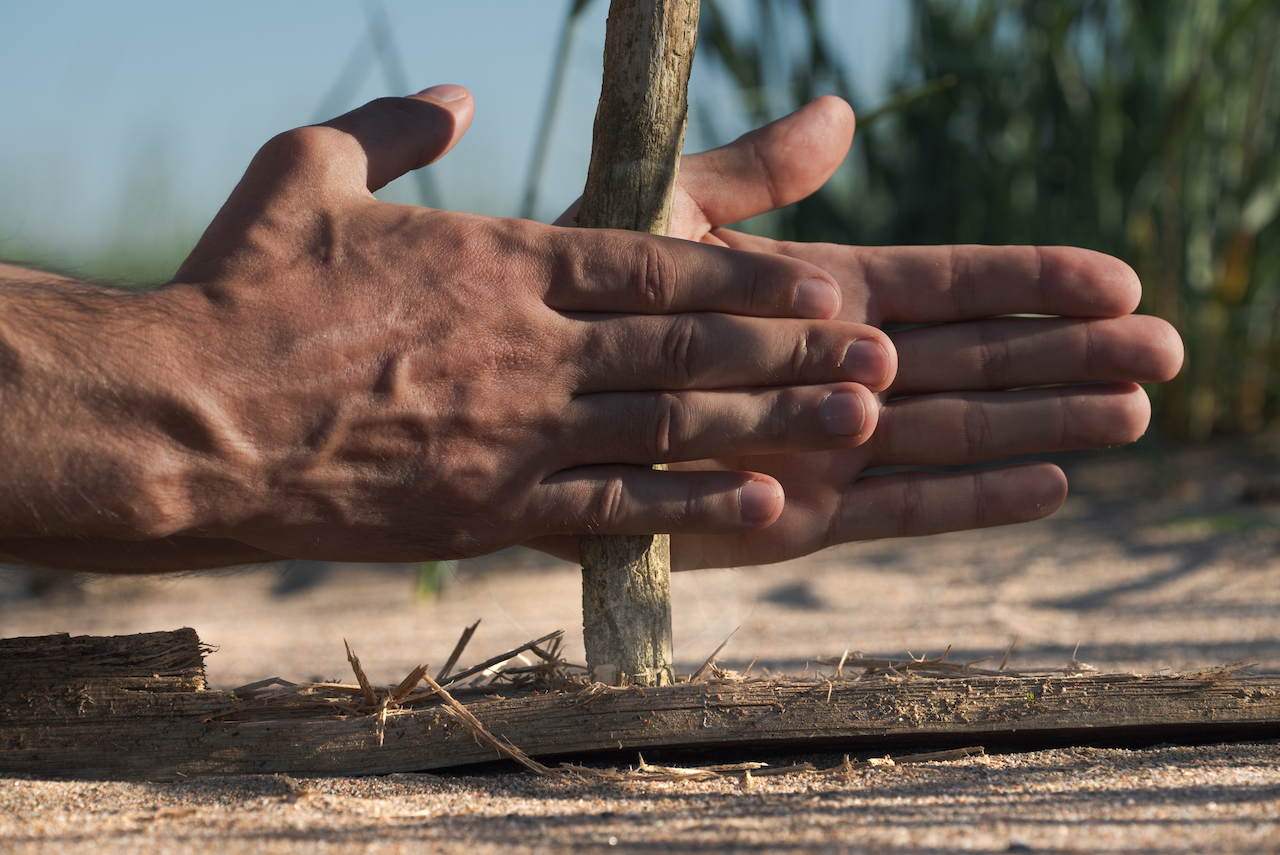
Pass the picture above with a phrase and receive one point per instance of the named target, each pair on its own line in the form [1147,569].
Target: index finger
[606,270]
[937,284]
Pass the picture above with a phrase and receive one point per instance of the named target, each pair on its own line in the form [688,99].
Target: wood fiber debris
[136,707]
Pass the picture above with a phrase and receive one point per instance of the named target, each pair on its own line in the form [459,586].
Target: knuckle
[681,347]
[310,143]
[911,513]
[980,502]
[994,358]
[784,410]
[801,354]
[975,430]
[763,293]
[666,422]
[611,504]
[691,507]
[959,284]
[656,277]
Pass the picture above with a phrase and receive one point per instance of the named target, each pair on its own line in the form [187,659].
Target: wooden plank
[121,726]
[631,182]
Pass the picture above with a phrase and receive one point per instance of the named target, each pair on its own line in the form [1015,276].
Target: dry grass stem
[847,767]
[510,675]
[1218,672]
[939,667]
[711,660]
[939,756]
[407,685]
[463,640]
[1009,652]
[469,721]
[366,688]
[498,660]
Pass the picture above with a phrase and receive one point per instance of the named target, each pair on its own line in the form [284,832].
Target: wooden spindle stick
[635,156]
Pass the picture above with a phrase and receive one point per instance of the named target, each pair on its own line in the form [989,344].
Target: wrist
[108,432]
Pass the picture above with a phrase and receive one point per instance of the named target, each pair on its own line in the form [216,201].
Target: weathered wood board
[135,707]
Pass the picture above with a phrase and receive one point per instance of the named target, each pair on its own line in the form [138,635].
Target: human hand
[352,379]
[960,396]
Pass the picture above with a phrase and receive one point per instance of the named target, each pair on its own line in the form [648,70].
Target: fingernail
[817,299]
[842,414]
[446,92]
[757,499]
[866,361]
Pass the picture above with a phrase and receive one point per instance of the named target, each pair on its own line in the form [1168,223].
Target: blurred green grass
[1141,128]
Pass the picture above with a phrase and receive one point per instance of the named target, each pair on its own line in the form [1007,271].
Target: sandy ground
[1161,559]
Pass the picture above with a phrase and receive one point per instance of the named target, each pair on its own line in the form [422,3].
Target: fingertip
[1048,491]
[851,413]
[780,163]
[460,104]
[1023,493]
[443,93]
[871,410]
[1106,414]
[1146,348]
[1135,417]
[816,299]
[1171,352]
[760,501]
[398,135]
[839,113]
[1125,284]
[872,361]
[843,413]
[1108,286]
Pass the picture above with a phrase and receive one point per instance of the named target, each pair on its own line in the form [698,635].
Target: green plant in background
[1142,128]
[431,576]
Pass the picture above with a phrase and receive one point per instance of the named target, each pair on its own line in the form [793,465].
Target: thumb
[772,166]
[399,135]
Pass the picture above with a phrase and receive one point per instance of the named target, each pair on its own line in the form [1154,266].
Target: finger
[767,168]
[640,500]
[389,137]
[354,154]
[606,270]
[918,503]
[669,427]
[959,428]
[1009,353]
[718,351]
[927,284]
[933,284]
[899,505]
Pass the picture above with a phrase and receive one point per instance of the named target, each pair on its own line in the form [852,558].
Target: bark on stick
[635,156]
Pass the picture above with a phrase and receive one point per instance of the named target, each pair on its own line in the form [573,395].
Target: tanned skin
[333,377]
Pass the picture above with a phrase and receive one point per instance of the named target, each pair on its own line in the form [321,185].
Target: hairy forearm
[102,435]
[108,555]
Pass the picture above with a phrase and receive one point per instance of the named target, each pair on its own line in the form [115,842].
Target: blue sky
[131,119]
